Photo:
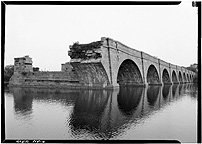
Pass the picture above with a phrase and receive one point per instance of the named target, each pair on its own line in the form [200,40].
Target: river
[128,113]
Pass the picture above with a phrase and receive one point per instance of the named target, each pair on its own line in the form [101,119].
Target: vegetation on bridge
[194,68]
[85,51]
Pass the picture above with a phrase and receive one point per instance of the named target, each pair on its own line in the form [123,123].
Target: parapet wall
[173,66]
[149,57]
[119,47]
[164,63]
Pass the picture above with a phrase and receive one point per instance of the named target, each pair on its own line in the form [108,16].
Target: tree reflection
[24,97]
[194,89]
[22,101]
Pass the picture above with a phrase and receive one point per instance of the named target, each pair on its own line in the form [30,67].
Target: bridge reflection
[88,110]
[104,114]
[152,95]
[128,99]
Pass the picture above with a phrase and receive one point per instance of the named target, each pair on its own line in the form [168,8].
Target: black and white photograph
[100,71]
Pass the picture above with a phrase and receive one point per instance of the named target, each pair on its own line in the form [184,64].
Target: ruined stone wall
[50,78]
[91,74]
[47,75]
[47,79]
[85,59]
[67,67]
[23,64]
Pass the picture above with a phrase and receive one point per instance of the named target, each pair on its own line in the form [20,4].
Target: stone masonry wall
[56,79]
[91,74]
[50,78]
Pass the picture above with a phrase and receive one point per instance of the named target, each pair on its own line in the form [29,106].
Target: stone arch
[165,77]
[174,77]
[180,77]
[184,77]
[152,75]
[187,77]
[129,73]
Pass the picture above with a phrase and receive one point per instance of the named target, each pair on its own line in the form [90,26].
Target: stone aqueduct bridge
[109,63]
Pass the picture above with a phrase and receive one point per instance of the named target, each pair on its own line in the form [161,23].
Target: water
[132,113]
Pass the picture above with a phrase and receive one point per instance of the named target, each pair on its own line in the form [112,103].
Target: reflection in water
[166,89]
[191,90]
[128,99]
[22,102]
[174,88]
[194,91]
[152,94]
[88,111]
[180,89]
[99,114]
[23,98]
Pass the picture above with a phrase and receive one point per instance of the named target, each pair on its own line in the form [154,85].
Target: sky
[44,32]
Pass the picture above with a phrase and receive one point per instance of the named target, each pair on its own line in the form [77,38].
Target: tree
[192,69]
[195,78]
[8,72]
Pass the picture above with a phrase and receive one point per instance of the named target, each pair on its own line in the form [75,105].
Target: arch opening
[165,77]
[174,77]
[152,75]
[180,77]
[129,74]
[187,78]
[184,76]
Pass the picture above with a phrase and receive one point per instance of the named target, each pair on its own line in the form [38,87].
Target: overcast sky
[45,32]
